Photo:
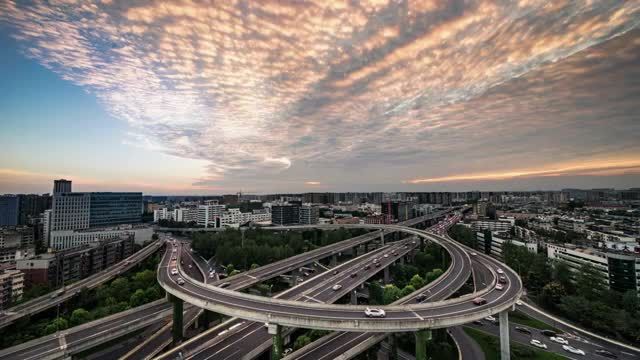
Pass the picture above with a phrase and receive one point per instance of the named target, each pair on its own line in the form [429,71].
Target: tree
[630,302]
[301,342]
[144,279]
[434,274]
[416,281]
[56,324]
[589,282]
[120,288]
[562,274]
[79,316]
[391,294]
[151,294]
[137,299]
[552,294]
[154,237]
[407,290]
[230,269]
[254,266]
[376,293]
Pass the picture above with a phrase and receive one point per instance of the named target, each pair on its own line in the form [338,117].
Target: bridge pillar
[278,344]
[178,309]
[422,336]
[402,260]
[354,251]
[354,297]
[387,278]
[366,248]
[394,347]
[334,260]
[504,335]
[295,274]
[381,238]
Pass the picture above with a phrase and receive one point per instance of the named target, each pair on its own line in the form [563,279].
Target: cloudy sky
[264,96]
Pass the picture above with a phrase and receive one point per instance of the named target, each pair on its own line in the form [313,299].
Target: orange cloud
[313,183]
[593,168]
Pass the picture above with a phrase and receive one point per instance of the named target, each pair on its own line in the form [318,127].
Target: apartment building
[11,287]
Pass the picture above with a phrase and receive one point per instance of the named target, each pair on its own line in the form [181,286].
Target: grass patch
[521,318]
[490,346]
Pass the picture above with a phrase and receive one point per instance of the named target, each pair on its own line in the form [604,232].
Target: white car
[386,255]
[180,281]
[174,271]
[473,253]
[379,313]
[538,343]
[490,318]
[336,287]
[519,302]
[499,271]
[559,340]
[573,350]
[499,287]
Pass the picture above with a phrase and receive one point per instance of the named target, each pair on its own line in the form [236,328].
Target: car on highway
[490,319]
[336,287]
[354,274]
[478,322]
[224,285]
[212,275]
[499,287]
[499,271]
[479,301]
[174,250]
[367,267]
[395,253]
[559,340]
[174,258]
[378,313]
[174,271]
[287,351]
[573,350]
[306,274]
[386,255]
[180,281]
[548,333]
[606,353]
[538,344]
[377,264]
[421,297]
[523,330]
[502,280]
[190,266]
[335,272]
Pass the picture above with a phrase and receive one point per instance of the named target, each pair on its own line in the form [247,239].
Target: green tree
[407,290]
[376,293]
[630,302]
[154,237]
[152,294]
[120,288]
[562,274]
[301,342]
[589,283]
[391,294]
[254,266]
[56,324]
[434,274]
[137,299]
[230,269]
[416,281]
[552,294]
[79,316]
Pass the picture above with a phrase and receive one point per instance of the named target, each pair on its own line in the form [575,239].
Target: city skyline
[328,98]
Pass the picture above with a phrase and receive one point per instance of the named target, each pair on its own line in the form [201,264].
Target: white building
[185,214]
[162,214]
[309,214]
[572,224]
[70,211]
[491,225]
[209,213]
[612,237]
[65,239]
[494,243]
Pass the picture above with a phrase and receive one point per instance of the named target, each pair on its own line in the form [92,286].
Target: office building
[185,215]
[492,225]
[571,224]
[309,214]
[70,211]
[491,243]
[162,214]
[209,214]
[397,211]
[61,186]
[56,267]
[65,239]
[8,210]
[11,287]
[16,237]
[285,214]
[114,208]
[620,270]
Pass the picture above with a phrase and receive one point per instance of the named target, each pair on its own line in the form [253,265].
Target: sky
[193,97]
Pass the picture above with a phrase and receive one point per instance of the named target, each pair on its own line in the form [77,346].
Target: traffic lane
[342,313]
[579,336]
[256,336]
[235,344]
[191,266]
[468,348]
[523,338]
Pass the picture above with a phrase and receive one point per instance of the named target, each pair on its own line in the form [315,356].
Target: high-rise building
[70,211]
[209,214]
[285,214]
[61,186]
[16,237]
[32,206]
[11,287]
[114,208]
[309,214]
[8,210]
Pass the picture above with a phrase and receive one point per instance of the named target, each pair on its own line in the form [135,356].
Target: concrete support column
[387,278]
[354,297]
[275,330]
[402,260]
[366,248]
[178,309]
[394,347]
[422,336]
[295,274]
[505,354]
[334,260]
[381,238]
[354,251]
